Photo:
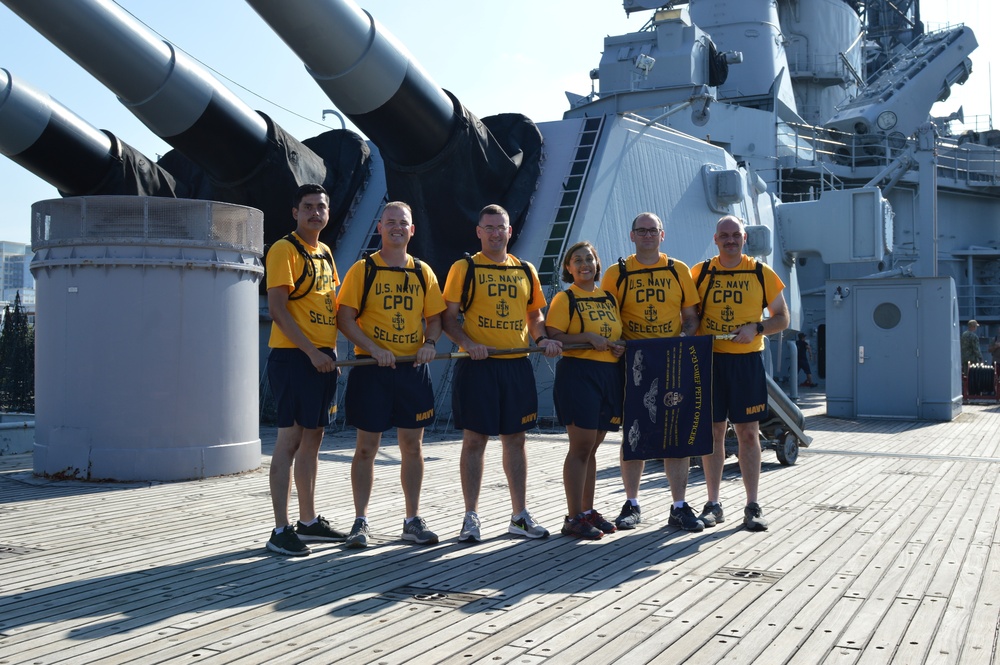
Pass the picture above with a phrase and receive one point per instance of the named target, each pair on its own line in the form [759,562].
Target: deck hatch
[436,597]
[742,574]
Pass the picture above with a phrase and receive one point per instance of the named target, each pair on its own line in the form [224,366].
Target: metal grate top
[146,220]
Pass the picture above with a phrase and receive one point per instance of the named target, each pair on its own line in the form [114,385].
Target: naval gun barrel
[368,74]
[46,138]
[438,156]
[168,91]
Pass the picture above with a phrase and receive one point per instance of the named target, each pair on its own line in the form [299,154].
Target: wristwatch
[760,328]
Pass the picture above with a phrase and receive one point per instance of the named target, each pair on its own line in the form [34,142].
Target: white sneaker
[470,529]
[525,525]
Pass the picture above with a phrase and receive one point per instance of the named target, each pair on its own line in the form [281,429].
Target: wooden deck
[883,548]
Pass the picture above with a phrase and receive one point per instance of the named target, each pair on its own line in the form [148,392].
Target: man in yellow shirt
[657,298]
[734,291]
[501,300]
[301,283]
[390,306]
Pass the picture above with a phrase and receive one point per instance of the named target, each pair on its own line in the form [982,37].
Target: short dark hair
[308,188]
[494,209]
[566,277]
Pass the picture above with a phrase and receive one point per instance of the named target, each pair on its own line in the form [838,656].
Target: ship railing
[972,164]
[978,301]
[808,147]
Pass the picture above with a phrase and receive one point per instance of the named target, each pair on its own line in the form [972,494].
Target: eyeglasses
[646,232]
[490,229]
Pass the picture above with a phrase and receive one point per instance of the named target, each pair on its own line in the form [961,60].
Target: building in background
[15,276]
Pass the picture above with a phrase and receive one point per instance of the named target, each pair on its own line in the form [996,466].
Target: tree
[17,360]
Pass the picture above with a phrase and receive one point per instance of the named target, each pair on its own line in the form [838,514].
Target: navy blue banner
[668,398]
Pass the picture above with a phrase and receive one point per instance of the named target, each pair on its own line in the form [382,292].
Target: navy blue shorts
[378,398]
[303,396]
[494,396]
[739,387]
[589,394]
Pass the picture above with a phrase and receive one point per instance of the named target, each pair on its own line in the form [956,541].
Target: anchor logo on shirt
[503,309]
[728,314]
[329,303]
[650,314]
[398,321]
[606,330]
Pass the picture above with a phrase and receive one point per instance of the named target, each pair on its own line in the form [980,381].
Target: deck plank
[883,548]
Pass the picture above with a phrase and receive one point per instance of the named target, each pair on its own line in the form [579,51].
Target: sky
[515,56]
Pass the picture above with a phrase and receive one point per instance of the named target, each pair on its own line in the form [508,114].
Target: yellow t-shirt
[396,305]
[734,297]
[596,312]
[312,305]
[500,292]
[650,298]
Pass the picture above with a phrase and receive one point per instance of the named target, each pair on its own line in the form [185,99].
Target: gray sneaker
[712,514]
[525,525]
[418,532]
[358,538]
[753,518]
[470,529]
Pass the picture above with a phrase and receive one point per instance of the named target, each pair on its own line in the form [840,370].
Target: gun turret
[439,157]
[228,151]
[76,158]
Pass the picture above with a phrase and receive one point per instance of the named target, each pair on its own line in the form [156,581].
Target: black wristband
[432,342]
[540,339]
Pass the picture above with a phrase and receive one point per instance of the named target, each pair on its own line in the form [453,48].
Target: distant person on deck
[802,344]
[301,370]
[971,353]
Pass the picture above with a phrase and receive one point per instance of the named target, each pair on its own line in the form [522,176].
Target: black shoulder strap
[309,270]
[574,305]
[372,268]
[759,271]
[763,289]
[623,274]
[469,285]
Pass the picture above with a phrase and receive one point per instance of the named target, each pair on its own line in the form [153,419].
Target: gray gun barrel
[49,140]
[168,91]
[368,75]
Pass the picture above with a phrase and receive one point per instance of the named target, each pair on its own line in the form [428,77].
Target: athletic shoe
[470,529]
[287,543]
[630,516]
[318,530]
[598,522]
[418,532]
[711,514]
[358,539]
[807,384]
[579,527]
[525,525]
[685,519]
[753,518]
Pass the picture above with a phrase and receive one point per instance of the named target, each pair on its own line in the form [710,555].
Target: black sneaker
[598,522]
[630,516]
[753,518]
[579,527]
[712,514]
[320,530]
[358,538]
[685,519]
[287,543]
